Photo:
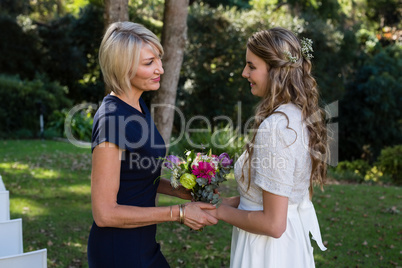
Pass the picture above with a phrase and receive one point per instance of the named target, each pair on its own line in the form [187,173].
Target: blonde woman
[126,151]
[273,216]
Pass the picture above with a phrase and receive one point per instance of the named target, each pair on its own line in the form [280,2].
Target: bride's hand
[195,216]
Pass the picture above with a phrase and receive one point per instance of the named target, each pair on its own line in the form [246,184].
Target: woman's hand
[195,216]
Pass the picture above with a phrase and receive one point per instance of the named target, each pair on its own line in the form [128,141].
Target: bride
[273,216]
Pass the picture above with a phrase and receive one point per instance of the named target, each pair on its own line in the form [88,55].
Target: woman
[273,216]
[126,152]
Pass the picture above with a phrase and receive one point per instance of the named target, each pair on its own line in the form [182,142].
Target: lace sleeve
[273,157]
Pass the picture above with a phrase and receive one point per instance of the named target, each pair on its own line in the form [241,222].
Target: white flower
[175,173]
[174,182]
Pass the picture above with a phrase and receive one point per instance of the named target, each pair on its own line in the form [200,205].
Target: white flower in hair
[307,48]
[290,57]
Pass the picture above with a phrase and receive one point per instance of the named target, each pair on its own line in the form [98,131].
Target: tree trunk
[115,10]
[174,37]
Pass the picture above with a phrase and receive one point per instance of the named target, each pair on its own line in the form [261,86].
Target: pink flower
[204,170]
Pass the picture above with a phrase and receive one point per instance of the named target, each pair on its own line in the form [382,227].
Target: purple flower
[225,160]
[171,159]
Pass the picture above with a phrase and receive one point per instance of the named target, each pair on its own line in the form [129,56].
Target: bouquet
[200,173]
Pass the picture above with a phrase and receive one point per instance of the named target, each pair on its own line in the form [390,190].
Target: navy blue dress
[135,132]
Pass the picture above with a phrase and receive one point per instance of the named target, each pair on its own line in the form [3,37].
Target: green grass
[49,184]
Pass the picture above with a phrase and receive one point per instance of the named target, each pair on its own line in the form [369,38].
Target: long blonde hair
[290,81]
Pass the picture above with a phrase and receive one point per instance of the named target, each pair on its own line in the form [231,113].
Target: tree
[115,10]
[174,37]
[370,115]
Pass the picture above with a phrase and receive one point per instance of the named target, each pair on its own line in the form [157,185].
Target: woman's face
[256,72]
[149,70]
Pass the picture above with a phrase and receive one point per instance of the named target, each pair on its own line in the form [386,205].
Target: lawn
[49,184]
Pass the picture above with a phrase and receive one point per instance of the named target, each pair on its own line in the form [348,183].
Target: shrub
[20,54]
[369,113]
[353,171]
[20,107]
[390,162]
[81,124]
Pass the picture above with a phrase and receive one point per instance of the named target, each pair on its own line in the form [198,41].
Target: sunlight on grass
[41,173]
[17,168]
[27,206]
[13,166]
[78,189]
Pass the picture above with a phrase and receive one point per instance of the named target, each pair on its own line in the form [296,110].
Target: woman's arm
[180,192]
[233,201]
[271,221]
[105,182]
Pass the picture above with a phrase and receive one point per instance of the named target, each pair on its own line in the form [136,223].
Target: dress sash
[309,221]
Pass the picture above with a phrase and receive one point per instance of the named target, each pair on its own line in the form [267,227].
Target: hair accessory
[290,57]
[307,48]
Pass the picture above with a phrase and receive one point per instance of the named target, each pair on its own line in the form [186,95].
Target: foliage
[14,8]
[367,40]
[353,171]
[214,59]
[370,114]
[390,162]
[148,13]
[359,171]
[387,11]
[71,46]
[20,111]
[81,124]
[334,52]
[229,3]
[20,49]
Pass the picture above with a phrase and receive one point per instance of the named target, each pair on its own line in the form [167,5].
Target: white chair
[2,187]
[4,206]
[33,259]
[11,238]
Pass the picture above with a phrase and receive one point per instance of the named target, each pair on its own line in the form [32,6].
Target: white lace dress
[281,165]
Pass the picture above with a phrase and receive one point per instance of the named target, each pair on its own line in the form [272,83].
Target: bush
[369,113]
[390,162]
[81,124]
[20,54]
[353,171]
[19,112]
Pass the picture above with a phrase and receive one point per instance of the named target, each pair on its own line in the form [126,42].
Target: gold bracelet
[181,214]
[171,213]
[184,212]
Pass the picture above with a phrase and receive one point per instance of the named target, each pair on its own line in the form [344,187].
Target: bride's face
[256,72]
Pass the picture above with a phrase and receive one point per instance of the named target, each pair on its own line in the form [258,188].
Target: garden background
[48,65]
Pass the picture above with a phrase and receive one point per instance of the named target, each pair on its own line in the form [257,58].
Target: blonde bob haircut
[119,53]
